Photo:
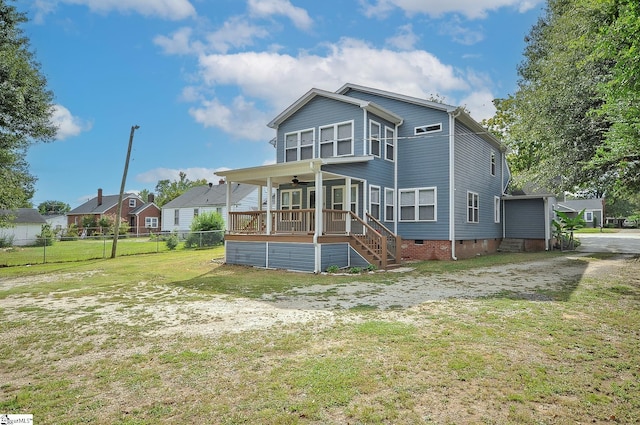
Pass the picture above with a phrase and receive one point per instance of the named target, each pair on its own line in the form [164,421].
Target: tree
[53,207]
[206,230]
[169,190]
[25,110]
[144,195]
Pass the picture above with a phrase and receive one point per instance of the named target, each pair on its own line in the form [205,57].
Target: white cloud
[166,9]
[459,33]
[480,104]
[241,119]
[179,43]
[268,8]
[405,39]
[236,32]
[472,9]
[172,174]
[67,124]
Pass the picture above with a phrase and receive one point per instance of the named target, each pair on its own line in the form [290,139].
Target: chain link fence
[63,248]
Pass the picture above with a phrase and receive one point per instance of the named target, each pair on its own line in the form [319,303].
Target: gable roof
[24,216]
[143,207]
[578,205]
[108,202]
[205,196]
[313,93]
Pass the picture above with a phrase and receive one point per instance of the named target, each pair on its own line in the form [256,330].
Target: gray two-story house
[365,176]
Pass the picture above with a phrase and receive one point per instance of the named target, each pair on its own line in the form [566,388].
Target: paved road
[627,241]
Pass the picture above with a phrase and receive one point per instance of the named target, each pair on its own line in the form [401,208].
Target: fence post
[104,246]
[44,259]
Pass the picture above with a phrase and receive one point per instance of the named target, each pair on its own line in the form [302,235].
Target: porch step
[364,250]
[511,245]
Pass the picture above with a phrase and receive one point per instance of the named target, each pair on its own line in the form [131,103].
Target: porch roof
[283,173]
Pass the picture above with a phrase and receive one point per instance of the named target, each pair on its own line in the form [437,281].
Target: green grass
[571,357]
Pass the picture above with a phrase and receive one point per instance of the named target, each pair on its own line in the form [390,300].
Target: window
[298,145]
[336,140]
[389,136]
[418,204]
[291,199]
[496,209]
[374,202]
[389,203]
[588,216]
[430,128]
[132,203]
[176,217]
[311,197]
[493,163]
[473,209]
[196,211]
[374,134]
[337,198]
[151,222]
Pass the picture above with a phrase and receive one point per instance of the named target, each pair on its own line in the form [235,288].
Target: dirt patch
[171,314]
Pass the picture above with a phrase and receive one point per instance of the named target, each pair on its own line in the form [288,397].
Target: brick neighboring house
[143,217]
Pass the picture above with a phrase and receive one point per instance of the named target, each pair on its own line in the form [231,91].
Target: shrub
[206,230]
[355,270]
[71,234]
[372,268]
[333,269]
[46,236]
[172,241]
[6,241]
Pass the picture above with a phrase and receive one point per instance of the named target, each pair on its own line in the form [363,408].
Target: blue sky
[202,78]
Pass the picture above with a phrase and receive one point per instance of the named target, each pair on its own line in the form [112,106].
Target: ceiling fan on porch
[295,182]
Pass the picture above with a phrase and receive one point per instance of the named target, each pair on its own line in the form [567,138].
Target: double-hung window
[389,203]
[132,203]
[298,145]
[151,222]
[336,140]
[338,198]
[493,163]
[176,217]
[496,209]
[418,204]
[374,138]
[473,207]
[389,143]
[374,202]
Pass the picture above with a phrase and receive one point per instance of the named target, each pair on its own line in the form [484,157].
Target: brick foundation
[441,250]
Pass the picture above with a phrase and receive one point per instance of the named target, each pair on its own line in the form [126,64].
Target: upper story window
[418,204]
[493,163]
[473,207]
[374,138]
[298,145]
[336,140]
[389,142]
[425,129]
[132,203]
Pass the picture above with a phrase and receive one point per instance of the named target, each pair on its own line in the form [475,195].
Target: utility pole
[116,225]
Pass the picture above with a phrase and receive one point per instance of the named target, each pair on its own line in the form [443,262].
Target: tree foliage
[53,207]
[206,230]
[25,109]
[168,190]
[569,124]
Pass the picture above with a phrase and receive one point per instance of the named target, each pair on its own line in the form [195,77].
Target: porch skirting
[296,253]
[441,249]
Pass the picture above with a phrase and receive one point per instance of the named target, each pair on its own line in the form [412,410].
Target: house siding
[246,253]
[524,219]
[291,256]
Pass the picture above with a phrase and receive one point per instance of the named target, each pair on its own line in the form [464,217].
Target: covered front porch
[302,228]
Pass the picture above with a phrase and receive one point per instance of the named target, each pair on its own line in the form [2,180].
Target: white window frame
[291,205]
[311,190]
[372,189]
[151,222]
[493,164]
[132,203]
[176,217]
[196,212]
[416,203]
[389,143]
[496,209]
[299,146]
[354,198]
[473,207]
[336,141]
[588,216]
[389,203]
[428,128]
[375,138]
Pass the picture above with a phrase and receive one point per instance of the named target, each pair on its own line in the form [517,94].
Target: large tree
[53,207]
[168,190]
[25,109]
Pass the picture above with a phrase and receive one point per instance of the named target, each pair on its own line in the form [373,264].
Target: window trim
[176,217]
[132,203]
[196,212]
[586,216]
[291,205]
[388,204]
[493,163]
[373,123]
[473,207]
[371,203]
[496,209]
[354,199]
[153,224]
[426,129]
[389,144]
[335,141]
[298,147]
[417,204]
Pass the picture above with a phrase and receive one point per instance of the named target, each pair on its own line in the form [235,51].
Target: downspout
[364,133]
[396,196]
[318,224]
[452,190]
[547,224]
[227,224]
[268,218]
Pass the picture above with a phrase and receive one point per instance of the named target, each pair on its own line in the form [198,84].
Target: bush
[46,236]
[172,241]
[6,241]
[71,234]
[333,269]
[206,230]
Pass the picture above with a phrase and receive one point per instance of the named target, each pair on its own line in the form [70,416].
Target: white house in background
[27,224]
[178,214]
[56,221]
[593,210]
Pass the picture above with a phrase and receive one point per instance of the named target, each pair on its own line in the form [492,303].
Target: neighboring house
[593,210]
[143,217]
[26,225]
[365,176]
[178,214]
[56,221]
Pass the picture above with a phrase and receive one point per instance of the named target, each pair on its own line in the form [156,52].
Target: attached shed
[527,219]
[26,225]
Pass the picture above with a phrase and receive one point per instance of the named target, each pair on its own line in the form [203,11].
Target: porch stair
[377,244]
[511,245]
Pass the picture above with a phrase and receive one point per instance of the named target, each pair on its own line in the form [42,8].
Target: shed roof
[204,196]
[24,216]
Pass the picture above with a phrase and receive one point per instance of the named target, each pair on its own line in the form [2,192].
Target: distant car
[628,223]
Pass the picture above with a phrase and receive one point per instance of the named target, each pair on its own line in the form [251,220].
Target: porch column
[228,224]
[269,206]
[260,188]
[319,222]
[347,201]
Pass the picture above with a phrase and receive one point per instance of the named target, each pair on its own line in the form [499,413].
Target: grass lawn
[175,337]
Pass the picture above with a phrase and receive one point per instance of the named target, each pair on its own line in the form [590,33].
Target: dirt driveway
[174,313]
